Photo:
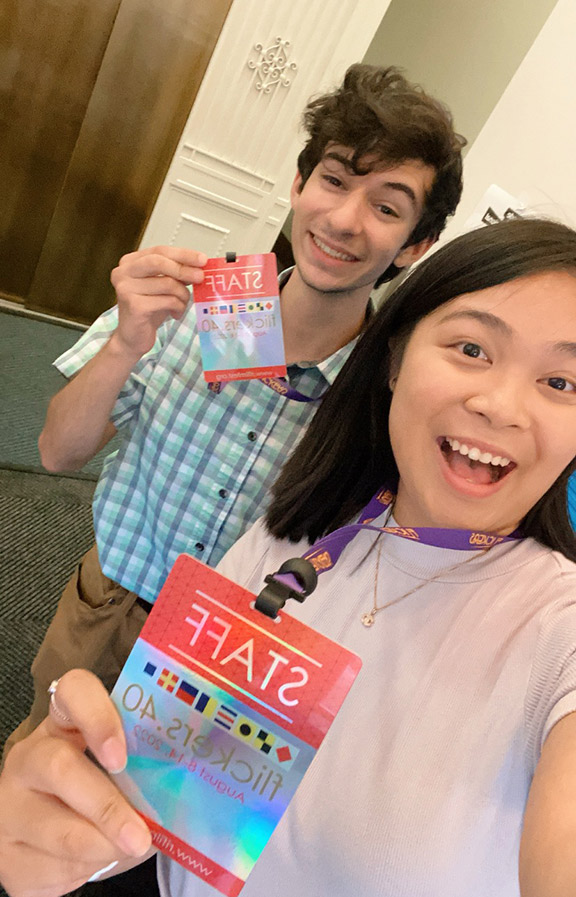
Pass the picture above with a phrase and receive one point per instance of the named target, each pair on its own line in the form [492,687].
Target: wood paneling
[110,98]
[51,51]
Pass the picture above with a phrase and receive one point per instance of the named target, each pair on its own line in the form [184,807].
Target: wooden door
[93,99]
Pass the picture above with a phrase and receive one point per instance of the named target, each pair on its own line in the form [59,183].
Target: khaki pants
[95,626]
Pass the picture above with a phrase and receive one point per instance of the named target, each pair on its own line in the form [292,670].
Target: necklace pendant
[367,620]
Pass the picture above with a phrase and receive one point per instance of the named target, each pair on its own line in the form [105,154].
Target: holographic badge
[223,710]
[238,318]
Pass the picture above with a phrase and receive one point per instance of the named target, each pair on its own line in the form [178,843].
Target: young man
[378,176]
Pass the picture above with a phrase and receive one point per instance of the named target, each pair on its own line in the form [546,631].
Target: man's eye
[386,210]
[331,179]
[472,350]
[560,384]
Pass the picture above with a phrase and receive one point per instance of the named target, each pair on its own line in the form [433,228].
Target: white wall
[528,144]
[462,52]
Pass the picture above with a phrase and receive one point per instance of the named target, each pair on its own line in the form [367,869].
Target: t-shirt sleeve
[551,691]
[90,343]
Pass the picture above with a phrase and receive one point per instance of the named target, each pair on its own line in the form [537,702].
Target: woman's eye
[386,210]
[472,350]
[561,385]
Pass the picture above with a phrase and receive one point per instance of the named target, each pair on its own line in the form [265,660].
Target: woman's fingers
[62,819]
[88,816]
[81,698]
[20,868]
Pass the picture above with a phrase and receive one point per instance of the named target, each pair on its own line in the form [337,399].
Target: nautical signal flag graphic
[225,717]
[167,680]
[244,729]
[264,741]
[240,727]
[239,308]
[206,705]
[187,693]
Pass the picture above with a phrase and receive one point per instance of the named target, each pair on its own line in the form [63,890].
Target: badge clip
[230,256]
[296,579]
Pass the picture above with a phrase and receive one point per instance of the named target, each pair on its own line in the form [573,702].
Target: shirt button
[199,546]
[252,436]
[223,493]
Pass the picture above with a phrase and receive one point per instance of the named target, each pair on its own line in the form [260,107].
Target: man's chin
[334,288]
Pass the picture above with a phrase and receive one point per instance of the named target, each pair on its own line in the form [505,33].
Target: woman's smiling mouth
[469,462]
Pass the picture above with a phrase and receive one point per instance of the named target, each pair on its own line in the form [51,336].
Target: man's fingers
[182,264]
[153,286]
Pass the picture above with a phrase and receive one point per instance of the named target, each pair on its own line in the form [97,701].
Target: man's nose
[348,215]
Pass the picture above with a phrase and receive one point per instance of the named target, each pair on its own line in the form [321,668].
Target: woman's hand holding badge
[62,820]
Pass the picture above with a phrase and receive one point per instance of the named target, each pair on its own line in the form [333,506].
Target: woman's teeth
[476,455]
[343,256]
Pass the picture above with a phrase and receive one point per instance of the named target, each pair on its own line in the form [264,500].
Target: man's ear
[296,188]
[411,254]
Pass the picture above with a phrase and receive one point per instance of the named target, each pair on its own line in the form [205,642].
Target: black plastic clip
[230,256]
[296,579]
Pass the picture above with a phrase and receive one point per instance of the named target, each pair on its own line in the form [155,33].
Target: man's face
[347,228]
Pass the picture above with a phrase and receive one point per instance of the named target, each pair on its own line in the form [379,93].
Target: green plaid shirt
[195,467]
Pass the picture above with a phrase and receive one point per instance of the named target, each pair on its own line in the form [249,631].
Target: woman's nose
[503,401]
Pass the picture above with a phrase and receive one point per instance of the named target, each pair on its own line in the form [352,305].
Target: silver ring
[58,714]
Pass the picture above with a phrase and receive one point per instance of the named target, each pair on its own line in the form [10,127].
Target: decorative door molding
[229,182]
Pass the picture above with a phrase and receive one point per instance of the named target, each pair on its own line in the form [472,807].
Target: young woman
[451,768]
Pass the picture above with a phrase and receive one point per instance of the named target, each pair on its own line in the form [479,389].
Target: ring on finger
[58,715]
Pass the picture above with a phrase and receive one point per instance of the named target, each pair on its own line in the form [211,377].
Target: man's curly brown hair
[377,113]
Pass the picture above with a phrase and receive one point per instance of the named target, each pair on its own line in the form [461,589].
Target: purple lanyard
[297,577]
[279,385]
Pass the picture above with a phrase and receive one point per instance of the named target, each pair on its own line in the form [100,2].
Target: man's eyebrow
[392,185]
[483,317]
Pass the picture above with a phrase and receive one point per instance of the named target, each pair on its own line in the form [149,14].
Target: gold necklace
[367,619]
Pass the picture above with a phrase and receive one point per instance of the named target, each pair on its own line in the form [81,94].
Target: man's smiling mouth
[333,253]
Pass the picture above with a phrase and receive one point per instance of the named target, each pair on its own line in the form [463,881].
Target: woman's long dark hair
[345,456]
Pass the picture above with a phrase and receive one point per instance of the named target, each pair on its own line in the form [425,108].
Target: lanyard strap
[279,385]
[297,577]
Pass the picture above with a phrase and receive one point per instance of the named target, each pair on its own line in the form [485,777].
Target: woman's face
[483,414]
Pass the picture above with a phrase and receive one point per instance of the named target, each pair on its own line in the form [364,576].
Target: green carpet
[45,520]
[27,382]
[46,527]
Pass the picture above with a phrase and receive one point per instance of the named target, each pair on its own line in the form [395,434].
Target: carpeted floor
[27,382]
[45,520]
[46,525]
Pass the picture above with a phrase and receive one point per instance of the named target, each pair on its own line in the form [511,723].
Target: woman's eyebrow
[483,317]
[565,347]
[495,323]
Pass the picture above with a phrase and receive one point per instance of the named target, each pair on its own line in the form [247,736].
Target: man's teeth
[476,455]
[333,252]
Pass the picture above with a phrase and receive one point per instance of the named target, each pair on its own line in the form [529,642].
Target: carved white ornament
[272,67]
